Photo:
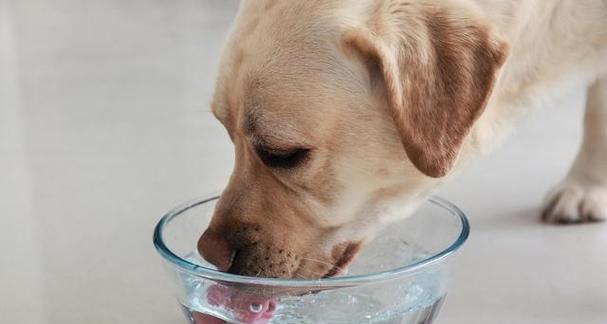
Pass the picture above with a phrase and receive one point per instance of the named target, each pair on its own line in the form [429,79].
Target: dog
[346,115]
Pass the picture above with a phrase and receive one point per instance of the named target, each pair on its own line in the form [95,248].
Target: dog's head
[339,111]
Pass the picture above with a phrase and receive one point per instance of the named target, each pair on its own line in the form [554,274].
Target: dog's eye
[282,159]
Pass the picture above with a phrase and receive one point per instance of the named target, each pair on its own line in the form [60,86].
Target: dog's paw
[573,202]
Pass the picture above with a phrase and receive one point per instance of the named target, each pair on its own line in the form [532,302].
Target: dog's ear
[438,67]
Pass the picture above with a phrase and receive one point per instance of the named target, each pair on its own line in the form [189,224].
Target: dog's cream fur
[346,78]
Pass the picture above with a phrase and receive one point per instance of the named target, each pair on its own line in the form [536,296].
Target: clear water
[413,301]
[424,315]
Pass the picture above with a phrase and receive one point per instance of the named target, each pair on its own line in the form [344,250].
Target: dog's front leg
[582,196]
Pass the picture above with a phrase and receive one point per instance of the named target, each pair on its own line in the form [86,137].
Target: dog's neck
[542,63]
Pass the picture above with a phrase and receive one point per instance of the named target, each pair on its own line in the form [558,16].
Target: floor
[104,126]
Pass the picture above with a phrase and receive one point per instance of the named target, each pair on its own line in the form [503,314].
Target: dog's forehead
[256,62]
[277,105]
[278,34]
[274,90]
[277,67]
[274,101]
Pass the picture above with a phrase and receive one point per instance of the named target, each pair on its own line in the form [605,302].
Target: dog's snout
[216,249]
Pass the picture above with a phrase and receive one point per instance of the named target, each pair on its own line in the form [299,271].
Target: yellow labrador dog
[348,113]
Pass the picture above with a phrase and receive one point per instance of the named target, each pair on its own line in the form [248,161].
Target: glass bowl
[400,277]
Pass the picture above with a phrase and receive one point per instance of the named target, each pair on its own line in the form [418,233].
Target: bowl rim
[333,282]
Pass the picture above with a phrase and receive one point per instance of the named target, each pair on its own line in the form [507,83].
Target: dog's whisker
[318,261]
[312,273]
[331,265]
[289,270]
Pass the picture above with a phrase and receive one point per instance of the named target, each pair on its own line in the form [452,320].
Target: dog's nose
[216,250]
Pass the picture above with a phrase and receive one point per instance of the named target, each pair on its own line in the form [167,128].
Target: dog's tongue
[247,307]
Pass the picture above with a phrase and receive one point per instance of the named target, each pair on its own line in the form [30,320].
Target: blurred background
[104,126]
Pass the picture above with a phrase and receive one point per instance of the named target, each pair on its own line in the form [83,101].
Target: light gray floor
[104,126]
